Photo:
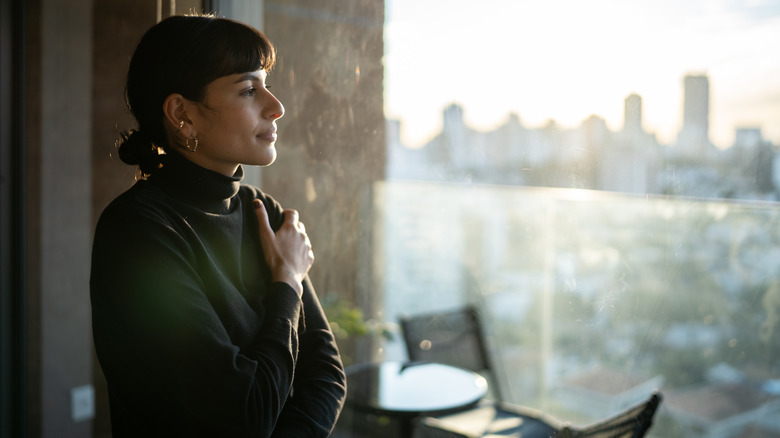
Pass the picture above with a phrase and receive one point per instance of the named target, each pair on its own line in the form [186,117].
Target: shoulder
[137,231]
[249,193]
[143,199]
[142,214]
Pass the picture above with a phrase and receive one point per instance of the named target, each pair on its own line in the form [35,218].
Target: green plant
[347,320]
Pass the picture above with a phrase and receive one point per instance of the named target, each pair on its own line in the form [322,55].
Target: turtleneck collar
[203,188]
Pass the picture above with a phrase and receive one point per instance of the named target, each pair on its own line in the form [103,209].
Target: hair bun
[135,147]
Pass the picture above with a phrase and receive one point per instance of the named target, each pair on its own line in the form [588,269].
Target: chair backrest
[633,422]
[452,337]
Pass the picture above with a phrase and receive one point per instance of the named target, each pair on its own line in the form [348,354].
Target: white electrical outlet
[82,403]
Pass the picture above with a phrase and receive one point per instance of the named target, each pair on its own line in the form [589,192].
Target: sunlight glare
[566,60]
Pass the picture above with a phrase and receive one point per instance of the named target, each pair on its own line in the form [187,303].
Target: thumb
[266,232]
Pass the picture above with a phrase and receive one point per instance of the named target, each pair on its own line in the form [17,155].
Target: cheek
[240,120]
[210,125]
[234,122]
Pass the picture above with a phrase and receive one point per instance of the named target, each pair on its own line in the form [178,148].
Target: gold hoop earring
[191,148]
[181,125]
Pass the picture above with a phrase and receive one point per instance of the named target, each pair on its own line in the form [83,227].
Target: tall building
[748,138]
[628,166]
[694,136]
[632,115]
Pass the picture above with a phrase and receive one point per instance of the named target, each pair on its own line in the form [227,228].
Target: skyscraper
[632,115]
[694,136]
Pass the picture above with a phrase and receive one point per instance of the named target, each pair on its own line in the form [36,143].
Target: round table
[410,389]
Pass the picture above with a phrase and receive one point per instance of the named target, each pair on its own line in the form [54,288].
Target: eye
[250,92]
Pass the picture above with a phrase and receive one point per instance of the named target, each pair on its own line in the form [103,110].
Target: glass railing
[593,299]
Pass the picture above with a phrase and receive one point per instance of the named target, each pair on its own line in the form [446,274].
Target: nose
[275,109]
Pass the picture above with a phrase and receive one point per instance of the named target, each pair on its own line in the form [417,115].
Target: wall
[60,214]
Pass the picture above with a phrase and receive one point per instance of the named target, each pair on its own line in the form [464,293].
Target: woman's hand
[288,251]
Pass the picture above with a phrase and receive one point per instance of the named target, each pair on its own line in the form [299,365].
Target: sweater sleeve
[320,382]
[161,343]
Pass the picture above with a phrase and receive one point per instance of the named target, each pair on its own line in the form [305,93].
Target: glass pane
[601,180]
[593,299]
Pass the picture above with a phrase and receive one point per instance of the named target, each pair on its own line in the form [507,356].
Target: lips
[269,136]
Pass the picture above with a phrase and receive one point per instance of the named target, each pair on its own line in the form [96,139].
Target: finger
[266,232]
[301,227]
[310,252]
[307,242]
[291,216]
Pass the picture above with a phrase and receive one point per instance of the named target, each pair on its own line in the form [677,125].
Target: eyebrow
[254,77]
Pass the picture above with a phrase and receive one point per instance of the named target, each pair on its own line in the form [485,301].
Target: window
[601,179]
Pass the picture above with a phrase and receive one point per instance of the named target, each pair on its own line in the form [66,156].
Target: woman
[204,320]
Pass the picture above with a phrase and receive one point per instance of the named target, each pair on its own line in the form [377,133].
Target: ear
[175,112]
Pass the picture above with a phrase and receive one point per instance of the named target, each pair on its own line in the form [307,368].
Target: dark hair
[183,54]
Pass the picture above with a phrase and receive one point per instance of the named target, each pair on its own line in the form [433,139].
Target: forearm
[320,382]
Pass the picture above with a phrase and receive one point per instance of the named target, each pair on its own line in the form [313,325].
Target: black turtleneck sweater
[194,338]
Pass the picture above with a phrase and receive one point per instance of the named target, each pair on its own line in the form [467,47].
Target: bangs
[228,47]
[243,48]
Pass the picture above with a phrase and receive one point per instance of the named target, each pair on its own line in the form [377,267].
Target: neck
[225,168]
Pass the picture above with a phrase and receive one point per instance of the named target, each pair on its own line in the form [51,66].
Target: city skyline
[565,61]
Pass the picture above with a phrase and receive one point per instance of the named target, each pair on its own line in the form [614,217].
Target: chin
[266,163]
[267,159]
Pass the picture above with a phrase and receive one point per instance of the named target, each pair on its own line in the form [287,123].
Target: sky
[568,59]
